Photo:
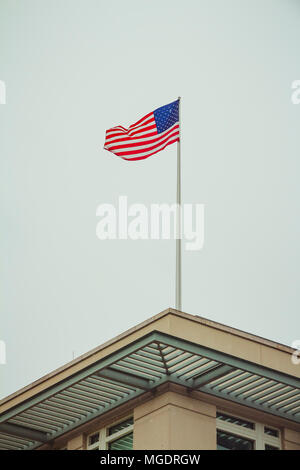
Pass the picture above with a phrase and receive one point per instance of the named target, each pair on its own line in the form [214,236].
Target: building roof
[172,346]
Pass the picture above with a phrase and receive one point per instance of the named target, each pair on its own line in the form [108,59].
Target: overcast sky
[74,68]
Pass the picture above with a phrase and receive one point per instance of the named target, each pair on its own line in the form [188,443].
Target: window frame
[105,439]
[257,435]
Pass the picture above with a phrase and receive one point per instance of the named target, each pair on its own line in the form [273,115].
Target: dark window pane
[120,426]
[268,447]
[123,443]
[94,438]
[271,432]
[227,441]
[238,421]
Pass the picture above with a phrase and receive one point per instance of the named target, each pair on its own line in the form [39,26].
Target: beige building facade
[174,382]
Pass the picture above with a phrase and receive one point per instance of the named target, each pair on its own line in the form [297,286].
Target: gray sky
[74,68]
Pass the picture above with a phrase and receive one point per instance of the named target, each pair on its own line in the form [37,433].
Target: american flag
[147,136]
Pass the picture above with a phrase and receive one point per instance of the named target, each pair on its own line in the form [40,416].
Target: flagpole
[178,220]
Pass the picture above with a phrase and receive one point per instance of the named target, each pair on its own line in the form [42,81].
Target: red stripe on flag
[152,153]
[128,143]
[141,139]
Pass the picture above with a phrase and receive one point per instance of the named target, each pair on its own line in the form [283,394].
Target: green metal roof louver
[141,366]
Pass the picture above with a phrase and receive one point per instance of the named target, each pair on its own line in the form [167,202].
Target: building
[175,381]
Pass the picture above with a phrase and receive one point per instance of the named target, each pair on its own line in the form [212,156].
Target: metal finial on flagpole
[178,220]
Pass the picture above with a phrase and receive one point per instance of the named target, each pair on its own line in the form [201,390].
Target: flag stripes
[149,135]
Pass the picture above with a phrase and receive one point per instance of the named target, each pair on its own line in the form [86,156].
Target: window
[236,433]
[234,420]
[123,443]
[94,438]
[226,441]
[118,436]
[271,432]
[269,447]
